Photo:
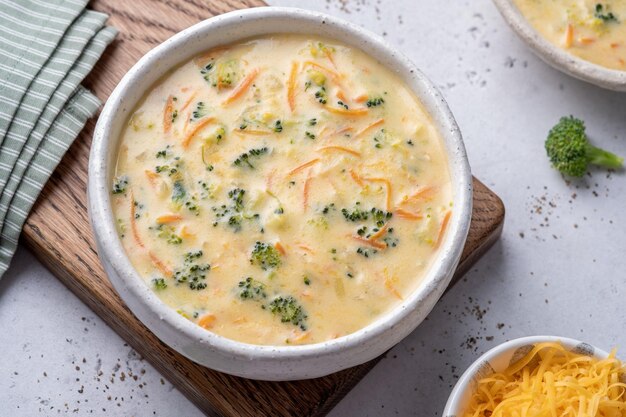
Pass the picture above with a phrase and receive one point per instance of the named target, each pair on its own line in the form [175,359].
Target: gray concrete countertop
[558,268]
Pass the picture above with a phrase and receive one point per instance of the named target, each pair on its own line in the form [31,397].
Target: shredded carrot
[356,178]
[133,223]
[334,75]
[387,185]
[329,55]
[188,102]
[391,288]
[242,87]
[341,96]
[168,218]
[299,338]
[252,132]
[204,59]
[380,233]
[160,265]
[424,193]
[361,98]
[198,127]
[368,127]
[587,41]
[569,36]
[185,233]
[303,166]
[614,45]
[339,148]
[404,214]
[167,114]
[207,321]
[347,112]
[442,230]
[291,86]
[280,248]
[343,130]
[305,191]
[305,248]
[373,243]
[152,176]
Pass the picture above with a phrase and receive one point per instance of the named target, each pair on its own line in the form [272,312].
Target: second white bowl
[556,57]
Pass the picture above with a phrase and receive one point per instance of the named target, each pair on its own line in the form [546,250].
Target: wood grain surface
[59,234]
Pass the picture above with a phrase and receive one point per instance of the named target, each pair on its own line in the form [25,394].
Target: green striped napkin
[47,47]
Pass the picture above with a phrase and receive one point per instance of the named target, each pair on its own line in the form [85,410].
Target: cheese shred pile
[551,381]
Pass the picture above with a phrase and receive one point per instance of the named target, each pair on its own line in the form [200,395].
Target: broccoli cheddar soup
[592,30]
[283,190]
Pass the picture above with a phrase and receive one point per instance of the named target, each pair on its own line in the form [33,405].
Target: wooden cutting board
[58,232]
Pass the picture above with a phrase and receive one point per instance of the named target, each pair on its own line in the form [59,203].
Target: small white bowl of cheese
[278,194]
[541,375]
[584,39]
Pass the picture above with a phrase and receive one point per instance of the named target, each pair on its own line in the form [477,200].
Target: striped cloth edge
[47,47]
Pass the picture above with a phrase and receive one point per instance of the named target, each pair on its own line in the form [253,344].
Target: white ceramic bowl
[499,358]
[211,350]
[557,57]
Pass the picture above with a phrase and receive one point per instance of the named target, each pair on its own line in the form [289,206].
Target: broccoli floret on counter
[289,310]
[251,289]
[570,152]
[265,255]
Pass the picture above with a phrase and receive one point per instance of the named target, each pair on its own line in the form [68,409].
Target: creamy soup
[592,30]
[283,190]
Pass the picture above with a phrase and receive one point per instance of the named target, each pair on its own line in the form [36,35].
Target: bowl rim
[111,249]
[557,57]
[455,399]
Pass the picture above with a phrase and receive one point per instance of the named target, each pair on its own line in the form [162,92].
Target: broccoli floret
[570,152]
[290,311]
[355,215]
[236,194]
[374,102]
[604,14]
[191,272]
[251,289]
[265,255]
[246,157]
[159,283]
[178,192]
[200,111]
[119,184]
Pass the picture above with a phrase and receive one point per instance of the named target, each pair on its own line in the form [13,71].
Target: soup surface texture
[592,30]
[283,190]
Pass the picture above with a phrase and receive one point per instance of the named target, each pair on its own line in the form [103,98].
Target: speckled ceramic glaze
[499,358]
[211,350]
[559,58]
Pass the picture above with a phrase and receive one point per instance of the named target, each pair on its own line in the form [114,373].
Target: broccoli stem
[597,156]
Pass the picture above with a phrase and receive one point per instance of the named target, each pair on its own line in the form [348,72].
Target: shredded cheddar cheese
[552,381]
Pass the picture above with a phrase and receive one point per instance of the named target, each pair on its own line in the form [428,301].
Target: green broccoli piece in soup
[289,310]
[570,152]
[265,255]
[251,289]
[120,184]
